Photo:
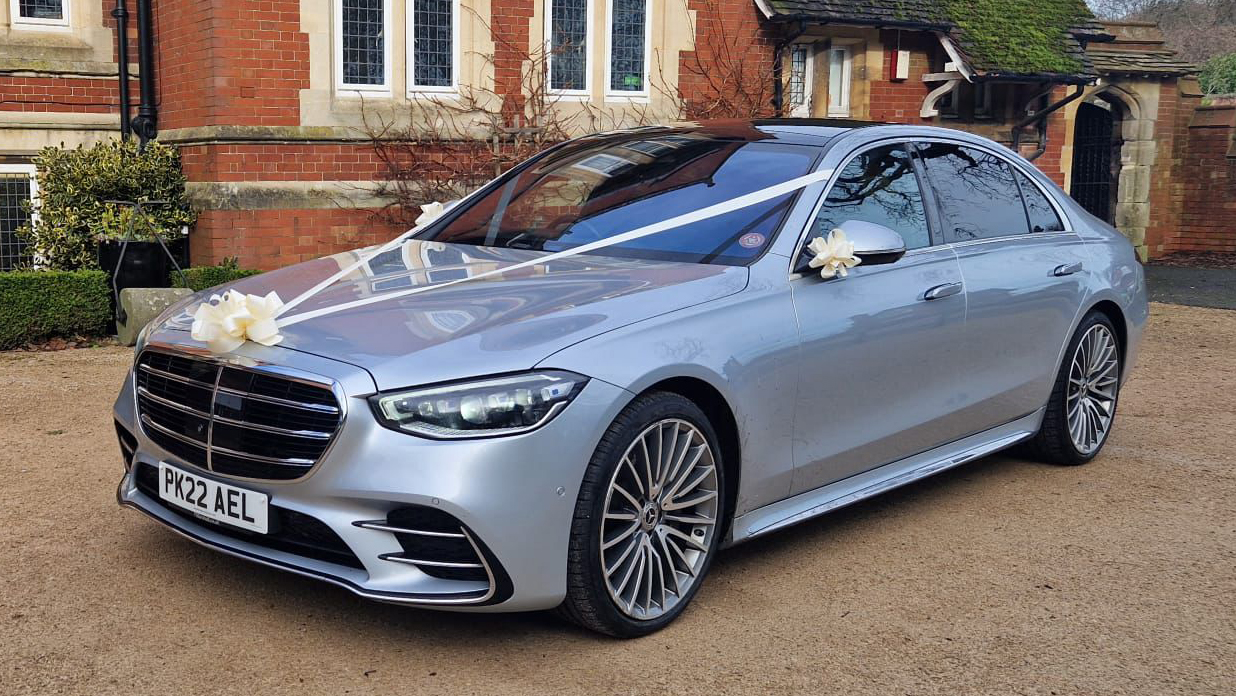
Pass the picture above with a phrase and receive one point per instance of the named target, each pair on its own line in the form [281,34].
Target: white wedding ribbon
[706,213]
[429,213]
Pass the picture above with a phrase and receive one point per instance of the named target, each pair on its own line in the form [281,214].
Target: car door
[879,362]
[1024,272]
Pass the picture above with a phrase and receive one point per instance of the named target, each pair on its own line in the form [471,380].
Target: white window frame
[590,41]
[804,109]
[840,108]
[410,51]
[28,23]
[621,95]
[352,90]
[32,172]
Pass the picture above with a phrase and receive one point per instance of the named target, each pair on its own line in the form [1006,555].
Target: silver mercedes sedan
[584,432]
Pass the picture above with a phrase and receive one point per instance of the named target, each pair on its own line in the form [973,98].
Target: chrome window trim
[289,373]
[910,140]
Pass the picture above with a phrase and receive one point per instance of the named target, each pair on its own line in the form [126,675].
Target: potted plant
[91,199]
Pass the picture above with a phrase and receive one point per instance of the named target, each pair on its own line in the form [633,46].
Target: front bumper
[513,498]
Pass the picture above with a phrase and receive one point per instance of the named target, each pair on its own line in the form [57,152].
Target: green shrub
[74,185]
[1219,75]
[35,305]
[201,277]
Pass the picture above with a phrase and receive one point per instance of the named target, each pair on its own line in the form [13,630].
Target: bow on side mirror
[873,244]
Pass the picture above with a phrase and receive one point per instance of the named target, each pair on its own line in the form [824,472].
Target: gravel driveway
[1001,577]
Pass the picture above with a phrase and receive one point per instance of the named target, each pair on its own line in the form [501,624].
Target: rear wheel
[647,520]
[1082,407]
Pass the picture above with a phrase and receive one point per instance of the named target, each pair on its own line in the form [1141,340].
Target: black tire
[588,602]
[1053,443]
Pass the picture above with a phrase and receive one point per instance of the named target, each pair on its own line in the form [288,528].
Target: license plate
[212,500]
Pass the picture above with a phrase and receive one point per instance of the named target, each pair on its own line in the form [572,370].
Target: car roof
[815,132]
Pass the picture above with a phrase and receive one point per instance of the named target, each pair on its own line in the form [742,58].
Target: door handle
[1067,269]
[939,292]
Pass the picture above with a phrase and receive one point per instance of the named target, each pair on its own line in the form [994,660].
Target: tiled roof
[998,38]
[1108,62]
[927,14]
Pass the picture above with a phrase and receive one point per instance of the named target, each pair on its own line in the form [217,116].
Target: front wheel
[647,519]
[1082,407]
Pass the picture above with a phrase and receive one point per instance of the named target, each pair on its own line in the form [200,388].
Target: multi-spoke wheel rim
[1094,378]
[660,517]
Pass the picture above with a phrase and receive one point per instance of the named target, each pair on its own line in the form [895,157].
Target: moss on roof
[1020,36]
[1012,37]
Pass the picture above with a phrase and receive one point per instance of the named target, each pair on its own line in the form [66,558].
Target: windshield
[596,190]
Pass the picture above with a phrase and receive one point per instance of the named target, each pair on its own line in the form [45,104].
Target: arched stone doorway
[1113,152]
[1096,158]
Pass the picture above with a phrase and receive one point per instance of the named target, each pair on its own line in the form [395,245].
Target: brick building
[269,100]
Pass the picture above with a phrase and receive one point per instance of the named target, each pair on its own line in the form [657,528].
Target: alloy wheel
[661,513]
[1094,378]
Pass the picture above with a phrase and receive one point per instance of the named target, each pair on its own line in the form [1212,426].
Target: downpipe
[1040,118]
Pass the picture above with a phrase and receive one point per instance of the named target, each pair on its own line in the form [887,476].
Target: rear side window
[878,186]
[978,196]
[1042,216]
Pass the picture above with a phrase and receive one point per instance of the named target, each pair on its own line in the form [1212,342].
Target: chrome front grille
[233,420]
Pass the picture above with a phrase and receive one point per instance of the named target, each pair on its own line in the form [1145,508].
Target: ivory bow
[226,322]
[429,213]
[833,254]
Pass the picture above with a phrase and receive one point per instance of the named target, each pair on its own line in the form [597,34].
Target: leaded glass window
[16,189]
[41,9]
[628,32]
[798,74]
[568,45]
[364,42]
[433,53]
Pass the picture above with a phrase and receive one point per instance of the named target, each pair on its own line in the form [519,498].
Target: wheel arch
[1115,314]
[714,405]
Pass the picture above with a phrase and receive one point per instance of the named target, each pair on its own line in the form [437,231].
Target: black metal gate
[1094,146]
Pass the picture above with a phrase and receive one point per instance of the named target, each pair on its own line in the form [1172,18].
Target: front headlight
[482,408]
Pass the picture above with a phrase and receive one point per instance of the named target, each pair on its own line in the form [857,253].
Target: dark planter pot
[144,265]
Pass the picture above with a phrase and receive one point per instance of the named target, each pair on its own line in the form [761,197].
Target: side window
[1042,216]
[878,186]
[976,191]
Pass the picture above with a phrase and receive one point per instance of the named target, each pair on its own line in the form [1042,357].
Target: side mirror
[874,244]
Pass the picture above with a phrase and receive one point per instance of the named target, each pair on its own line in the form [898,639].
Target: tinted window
[877,186]
[977,194]
[1042,216]
[593,191]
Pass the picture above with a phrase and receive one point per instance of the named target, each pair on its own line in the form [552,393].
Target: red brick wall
[509,29]
[59,94]
[283,162]
[1166,183]
[1207,217]
[900,101]
[231,62]
[732,61]
[269,239]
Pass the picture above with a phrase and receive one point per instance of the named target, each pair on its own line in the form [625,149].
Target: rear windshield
[594,191]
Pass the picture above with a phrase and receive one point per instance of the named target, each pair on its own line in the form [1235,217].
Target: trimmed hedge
[35,305]
[202,277]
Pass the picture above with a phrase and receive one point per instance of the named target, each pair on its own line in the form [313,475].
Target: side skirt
[850,490]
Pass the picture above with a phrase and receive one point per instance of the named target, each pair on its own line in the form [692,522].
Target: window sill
[621,98]
[36,26]
[345,92]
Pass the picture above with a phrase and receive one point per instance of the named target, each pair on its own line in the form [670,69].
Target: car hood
[496,324]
